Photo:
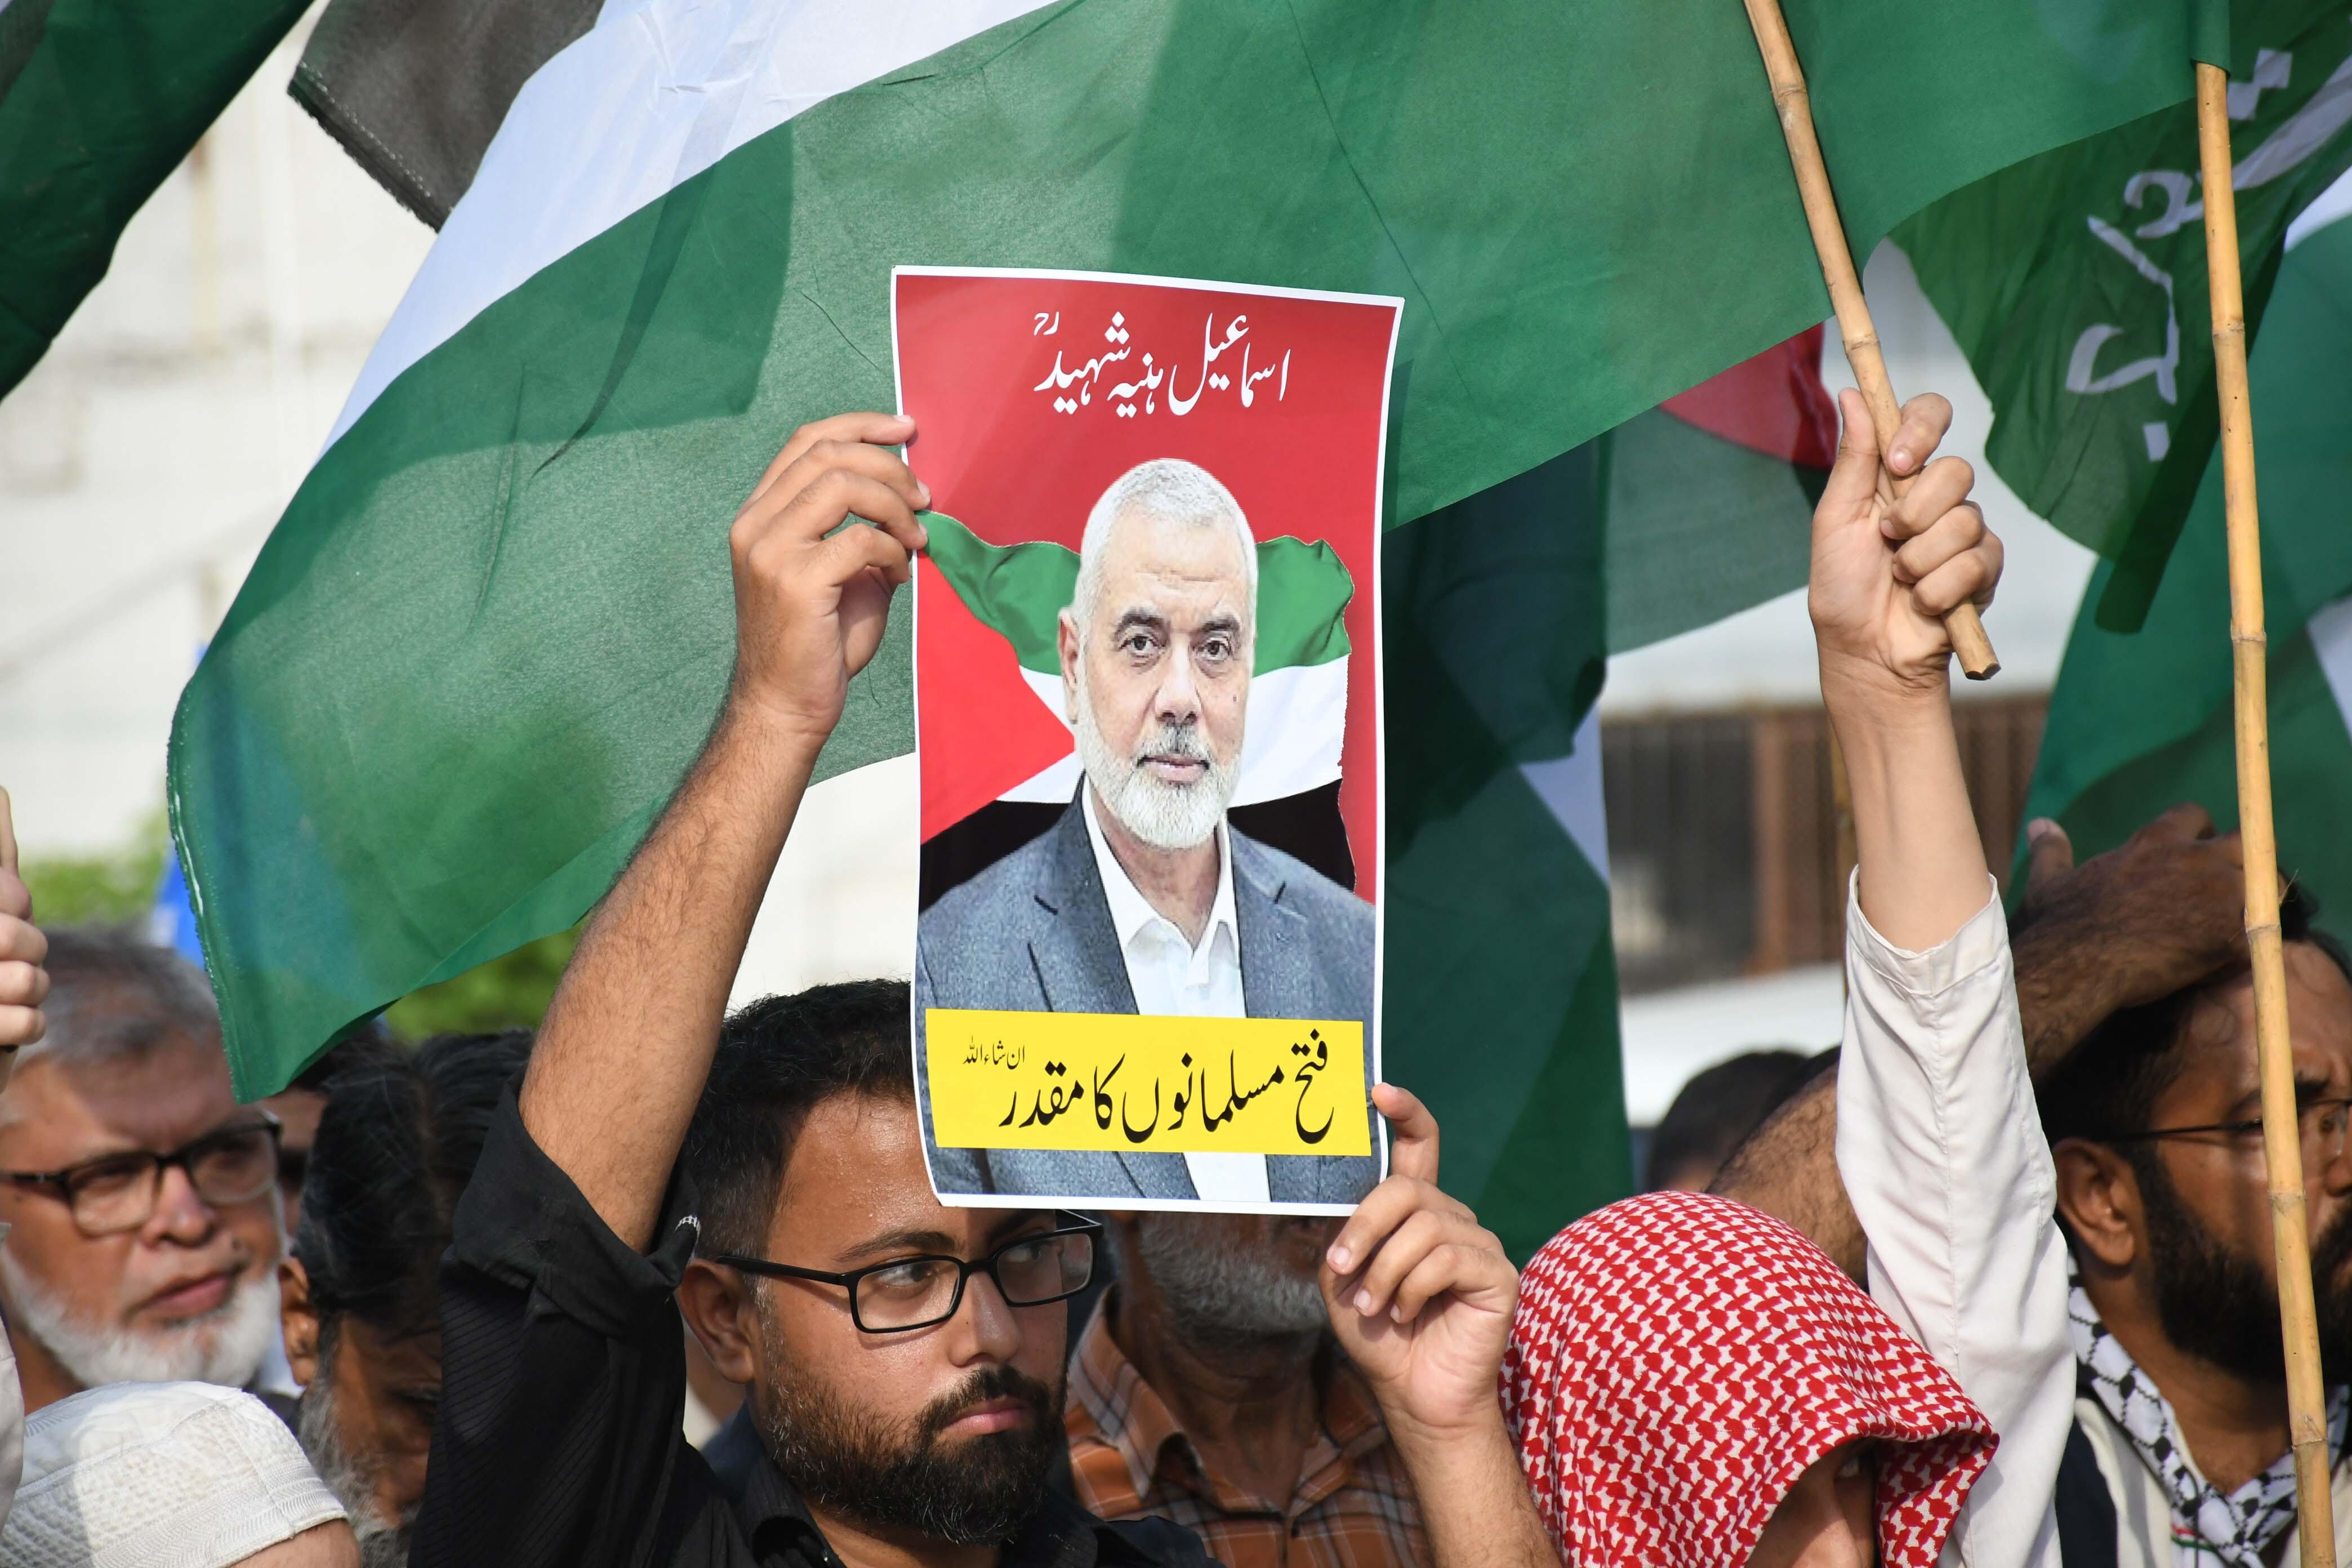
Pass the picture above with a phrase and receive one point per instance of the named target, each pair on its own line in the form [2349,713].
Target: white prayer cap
[159,1475]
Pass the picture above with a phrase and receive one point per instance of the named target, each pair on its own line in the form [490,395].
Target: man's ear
[1065,638]
[718,1307]
[298,1319]
[2099,1198]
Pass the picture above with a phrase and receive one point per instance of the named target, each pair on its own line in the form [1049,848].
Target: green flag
[2140,722]
[100,100]
[492,627]
[2075,283]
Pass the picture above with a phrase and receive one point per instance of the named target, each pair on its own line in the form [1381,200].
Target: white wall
[144,458]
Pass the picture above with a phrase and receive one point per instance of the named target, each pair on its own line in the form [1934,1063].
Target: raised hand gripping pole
[1977,660]
[2306,1398]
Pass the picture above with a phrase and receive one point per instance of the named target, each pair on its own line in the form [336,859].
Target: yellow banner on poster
[1117,1082]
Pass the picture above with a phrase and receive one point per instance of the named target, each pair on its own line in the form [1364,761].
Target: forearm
[1922,866]
[1475,1504]
[626,1046]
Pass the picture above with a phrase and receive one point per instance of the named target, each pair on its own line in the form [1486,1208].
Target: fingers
[835,495]
[854,549]
[2184,823]
[19,1026]
[1853,478]
[1966,575]
[874,430]
[1434,1251]
[830,483]
[1953,531]
[1384,1211]
[23,984]
[21,941]
[2050,855]
[1413,1133]
[1927,419]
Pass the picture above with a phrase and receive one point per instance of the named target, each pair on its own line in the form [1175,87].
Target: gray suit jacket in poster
[1033,933]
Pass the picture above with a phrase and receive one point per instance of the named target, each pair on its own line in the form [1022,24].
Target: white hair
[1172,490]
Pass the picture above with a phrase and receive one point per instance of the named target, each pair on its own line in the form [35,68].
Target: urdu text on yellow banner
[1118,1081]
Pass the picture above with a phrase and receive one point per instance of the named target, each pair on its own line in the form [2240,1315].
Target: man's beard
[225,1345]
[352,1477]
[1163,815]
[976,1492]
[1225,1297]
[2215,1303]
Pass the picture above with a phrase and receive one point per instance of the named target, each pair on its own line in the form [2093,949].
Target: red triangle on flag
[980,729]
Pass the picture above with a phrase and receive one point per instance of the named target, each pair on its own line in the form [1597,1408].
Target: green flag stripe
[1019,590]
[100,100]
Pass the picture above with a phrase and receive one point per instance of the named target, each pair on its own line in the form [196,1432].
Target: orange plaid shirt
[1353,1506]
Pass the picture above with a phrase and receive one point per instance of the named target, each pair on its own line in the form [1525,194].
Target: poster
[1148,725]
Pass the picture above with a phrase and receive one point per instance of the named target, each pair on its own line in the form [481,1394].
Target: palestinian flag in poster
[1148,731]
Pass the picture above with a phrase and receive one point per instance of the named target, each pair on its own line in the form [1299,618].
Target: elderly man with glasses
[144,1228]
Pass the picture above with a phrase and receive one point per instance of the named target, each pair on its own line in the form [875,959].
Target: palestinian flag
[998,736]
[494,623]
[2075,283]
[2141,722]
[100,100]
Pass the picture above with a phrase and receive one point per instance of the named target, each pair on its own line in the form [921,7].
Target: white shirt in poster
[1174,978]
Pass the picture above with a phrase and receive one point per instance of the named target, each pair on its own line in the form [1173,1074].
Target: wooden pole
[1860,338]
[2306,1398]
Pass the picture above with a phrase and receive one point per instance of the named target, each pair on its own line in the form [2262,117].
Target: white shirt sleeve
[1941,1151]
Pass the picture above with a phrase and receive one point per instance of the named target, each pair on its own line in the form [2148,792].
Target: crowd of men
[1992,1284]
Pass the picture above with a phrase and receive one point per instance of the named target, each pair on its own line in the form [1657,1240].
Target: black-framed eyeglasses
[916,1292]
[2321,1123]
[114,1192]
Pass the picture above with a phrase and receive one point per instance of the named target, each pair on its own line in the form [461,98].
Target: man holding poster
[1062,989]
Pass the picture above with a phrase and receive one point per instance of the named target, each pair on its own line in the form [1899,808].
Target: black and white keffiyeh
[2207,1527]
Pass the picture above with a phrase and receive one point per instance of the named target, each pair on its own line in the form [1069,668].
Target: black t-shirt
[562,1382]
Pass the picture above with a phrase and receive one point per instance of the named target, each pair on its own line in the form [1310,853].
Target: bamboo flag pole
[2306,1399]
[1968,633]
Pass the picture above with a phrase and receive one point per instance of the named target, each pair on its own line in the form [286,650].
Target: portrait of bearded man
[1142,898]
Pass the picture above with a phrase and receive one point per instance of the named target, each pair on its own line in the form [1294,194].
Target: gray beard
[225,1346]
[1164,816]
[383,1543]
[1225,1297]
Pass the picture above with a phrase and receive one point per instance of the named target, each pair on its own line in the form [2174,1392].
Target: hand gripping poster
[1148,714]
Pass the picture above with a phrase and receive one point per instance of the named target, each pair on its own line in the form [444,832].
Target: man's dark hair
[397,1142]
[364,1046]
[777,1059]
[2107,1086]
[1717,1108]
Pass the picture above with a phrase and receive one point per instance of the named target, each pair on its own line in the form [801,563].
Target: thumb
[2050,855]
[1853,478]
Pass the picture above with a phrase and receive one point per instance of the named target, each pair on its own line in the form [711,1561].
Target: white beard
[383,1543]
[225,1346]
[1165,815]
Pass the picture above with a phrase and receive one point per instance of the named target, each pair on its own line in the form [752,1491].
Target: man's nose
[985,1328]
[1178,701]
[181,1216]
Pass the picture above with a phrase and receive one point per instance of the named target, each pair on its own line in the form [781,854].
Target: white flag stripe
[1297,719]
[650,97]
[2331,639]
[1569,787]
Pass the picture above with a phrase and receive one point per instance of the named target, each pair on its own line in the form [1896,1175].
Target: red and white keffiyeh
[1679,1359]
